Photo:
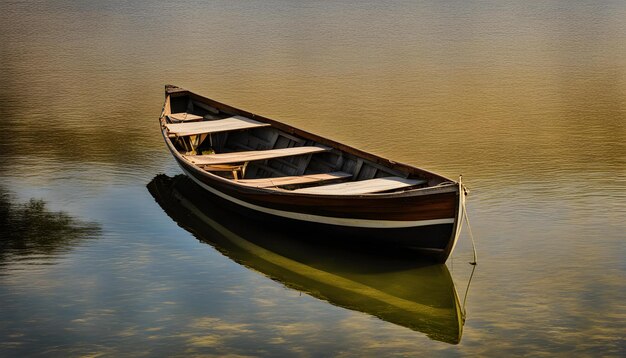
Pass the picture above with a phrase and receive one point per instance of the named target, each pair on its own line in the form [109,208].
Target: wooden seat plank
[291,180]
[361,187]
[252,155]
[184,116]
[218,125]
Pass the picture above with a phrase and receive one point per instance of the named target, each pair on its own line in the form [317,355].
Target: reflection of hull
[394,288]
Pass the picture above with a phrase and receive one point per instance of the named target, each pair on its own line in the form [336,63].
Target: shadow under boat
[395,287]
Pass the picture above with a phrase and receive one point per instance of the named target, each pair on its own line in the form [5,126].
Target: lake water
[526,99]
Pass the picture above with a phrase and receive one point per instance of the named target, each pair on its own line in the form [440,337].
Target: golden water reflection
[401,290]
[508,88]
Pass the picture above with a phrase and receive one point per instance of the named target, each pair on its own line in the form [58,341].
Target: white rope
[464,191]
[466,292]
[475,261]
[469,229]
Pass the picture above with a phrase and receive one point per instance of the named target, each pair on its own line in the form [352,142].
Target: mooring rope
[475,261]
[464,191]
[469,229]
[466,292]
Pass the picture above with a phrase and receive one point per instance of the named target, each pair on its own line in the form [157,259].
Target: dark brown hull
[426,219]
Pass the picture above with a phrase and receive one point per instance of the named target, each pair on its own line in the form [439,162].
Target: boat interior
[257,154]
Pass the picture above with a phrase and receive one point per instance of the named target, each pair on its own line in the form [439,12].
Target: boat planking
[271,170]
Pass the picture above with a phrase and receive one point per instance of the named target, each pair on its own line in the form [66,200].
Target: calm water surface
[526,99]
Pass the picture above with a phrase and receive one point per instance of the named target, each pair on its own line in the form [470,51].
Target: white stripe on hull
[364,223]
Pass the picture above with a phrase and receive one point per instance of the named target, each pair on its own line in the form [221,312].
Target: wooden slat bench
[215,126]
[184,117]
[361,187]
[291,180]
[252,155]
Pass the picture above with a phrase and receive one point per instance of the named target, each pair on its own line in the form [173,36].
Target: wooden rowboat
[275,171]
[396,287]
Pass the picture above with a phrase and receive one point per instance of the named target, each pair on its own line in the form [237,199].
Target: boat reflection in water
[394,287]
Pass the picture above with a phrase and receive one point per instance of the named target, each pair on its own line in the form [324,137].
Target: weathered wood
[361,187]
[357,168]
[222,167]
[256,166]
[292,180]
[303,165]
[167,109]
[252,155]
[206,107]
[240,168]
[388,170]
[184,117]
[220,125]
